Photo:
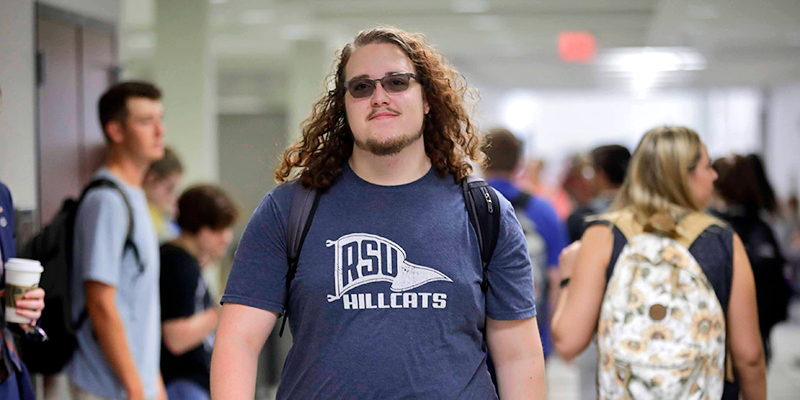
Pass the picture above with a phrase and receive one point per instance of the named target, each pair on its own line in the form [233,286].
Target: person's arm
[516,350]
[107,324]
[162,389]
[744,336]
[584,262]
[553,233]
[242,332]
[183,334]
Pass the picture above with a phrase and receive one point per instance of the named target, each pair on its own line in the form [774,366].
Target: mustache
[383,110]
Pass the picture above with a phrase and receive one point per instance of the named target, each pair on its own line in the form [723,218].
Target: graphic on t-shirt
[362,258]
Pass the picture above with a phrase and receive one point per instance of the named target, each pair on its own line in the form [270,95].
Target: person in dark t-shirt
[387,300]
[188,316]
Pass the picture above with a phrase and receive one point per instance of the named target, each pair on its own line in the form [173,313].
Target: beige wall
[17,118]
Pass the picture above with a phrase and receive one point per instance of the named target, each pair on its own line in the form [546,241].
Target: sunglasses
[360,88]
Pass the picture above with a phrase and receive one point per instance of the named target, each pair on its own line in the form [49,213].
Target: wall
[783,139]
[247,156]
[17,118]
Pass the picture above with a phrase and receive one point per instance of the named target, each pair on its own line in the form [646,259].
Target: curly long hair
[450,138]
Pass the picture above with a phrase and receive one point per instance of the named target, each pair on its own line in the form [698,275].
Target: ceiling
[506,44]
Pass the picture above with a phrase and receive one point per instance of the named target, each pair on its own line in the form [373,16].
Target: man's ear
[115,131]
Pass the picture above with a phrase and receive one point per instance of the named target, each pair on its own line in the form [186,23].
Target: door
[76,64]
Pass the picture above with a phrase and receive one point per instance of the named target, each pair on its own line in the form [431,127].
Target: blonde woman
[669,184]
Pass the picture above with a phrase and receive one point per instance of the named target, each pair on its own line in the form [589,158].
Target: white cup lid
[23,265]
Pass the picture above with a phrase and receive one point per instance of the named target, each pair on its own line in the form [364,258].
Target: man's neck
[405,167]
[130,170]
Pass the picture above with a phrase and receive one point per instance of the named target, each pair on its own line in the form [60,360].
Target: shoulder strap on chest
[109,184]
[301,213]
[483,207]
[689,227]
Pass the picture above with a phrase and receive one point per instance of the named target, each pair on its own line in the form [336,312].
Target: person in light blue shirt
[119,345]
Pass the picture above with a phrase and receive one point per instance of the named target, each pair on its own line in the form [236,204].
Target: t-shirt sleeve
[550,227]
[510,293]
[178,286]
[100,230]
[258,275]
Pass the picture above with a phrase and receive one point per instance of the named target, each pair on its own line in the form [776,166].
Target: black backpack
[53,248]
[480,199]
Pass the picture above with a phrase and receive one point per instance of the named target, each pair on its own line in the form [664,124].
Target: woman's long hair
[657,183]
[451,139]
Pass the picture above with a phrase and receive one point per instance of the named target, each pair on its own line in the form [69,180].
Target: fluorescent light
[519,111]
[218,1]
[645,67]
[470,6]
[653,59]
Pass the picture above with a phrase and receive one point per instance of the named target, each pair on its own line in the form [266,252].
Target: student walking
[663,285]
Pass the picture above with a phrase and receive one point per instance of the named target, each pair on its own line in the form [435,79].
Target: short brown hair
[113,105]
[206,206]
[613,160]
[166,166]
[503,150]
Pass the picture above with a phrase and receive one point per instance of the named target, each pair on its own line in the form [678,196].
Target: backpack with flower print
[661,332]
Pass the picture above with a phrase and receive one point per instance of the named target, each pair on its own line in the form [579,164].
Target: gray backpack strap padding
[301,213]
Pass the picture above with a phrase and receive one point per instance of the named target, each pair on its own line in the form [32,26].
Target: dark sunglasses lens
[360,88]
[395,83]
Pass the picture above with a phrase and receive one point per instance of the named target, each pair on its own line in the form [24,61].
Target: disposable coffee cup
[22,276]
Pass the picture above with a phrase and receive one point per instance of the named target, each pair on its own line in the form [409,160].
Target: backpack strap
[301,212]
[483,207]
[521,201]
[129,244]
[689,227]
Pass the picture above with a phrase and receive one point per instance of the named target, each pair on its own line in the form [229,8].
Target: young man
[15,382]
[538,218]
[610,164]
[387,301]
[119,344]
[206,215]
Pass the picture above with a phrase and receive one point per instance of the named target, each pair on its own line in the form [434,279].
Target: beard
[387,148]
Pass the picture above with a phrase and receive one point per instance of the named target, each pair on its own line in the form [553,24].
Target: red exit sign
[577,47]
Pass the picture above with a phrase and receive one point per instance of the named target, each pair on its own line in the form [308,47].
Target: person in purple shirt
[544,232]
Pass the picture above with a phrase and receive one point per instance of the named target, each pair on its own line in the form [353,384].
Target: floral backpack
[661,333]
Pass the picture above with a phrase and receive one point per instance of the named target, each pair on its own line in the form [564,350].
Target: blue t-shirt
[100,256]
[543,216]
[386,302]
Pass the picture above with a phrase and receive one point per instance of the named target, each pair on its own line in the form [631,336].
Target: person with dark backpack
[742,202]
[115,274]
[544,232]
[390,296]
[53,248]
